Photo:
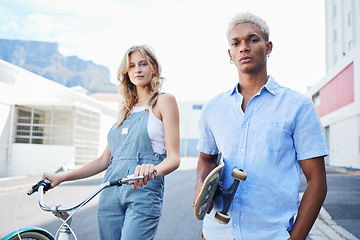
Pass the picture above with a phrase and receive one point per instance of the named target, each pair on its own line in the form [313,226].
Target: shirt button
[244,125]
[235,225]
[241,149]
[236,200]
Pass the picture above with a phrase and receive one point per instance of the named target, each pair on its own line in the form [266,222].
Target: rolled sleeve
[206,143]
[309,134]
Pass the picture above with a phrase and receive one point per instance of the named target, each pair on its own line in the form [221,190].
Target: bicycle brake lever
[130,179]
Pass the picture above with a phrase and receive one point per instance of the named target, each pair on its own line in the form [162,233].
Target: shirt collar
[271,86]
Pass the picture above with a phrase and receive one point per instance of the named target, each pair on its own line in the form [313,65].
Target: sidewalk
[325,228]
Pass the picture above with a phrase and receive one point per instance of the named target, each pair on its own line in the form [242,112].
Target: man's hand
[206,163]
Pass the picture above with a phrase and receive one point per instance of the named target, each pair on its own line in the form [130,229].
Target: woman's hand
[55,179]
[145,170]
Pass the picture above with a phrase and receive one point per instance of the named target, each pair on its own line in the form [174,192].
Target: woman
[145,140]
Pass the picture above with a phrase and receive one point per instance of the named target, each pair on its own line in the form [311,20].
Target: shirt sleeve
[308,135]
[206,143]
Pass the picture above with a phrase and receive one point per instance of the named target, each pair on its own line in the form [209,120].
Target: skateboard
[212,188]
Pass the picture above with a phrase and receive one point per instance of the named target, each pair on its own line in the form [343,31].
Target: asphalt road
[339,219]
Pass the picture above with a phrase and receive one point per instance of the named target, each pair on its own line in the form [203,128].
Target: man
[272,133]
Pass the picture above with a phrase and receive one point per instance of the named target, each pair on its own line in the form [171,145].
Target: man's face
[248,48]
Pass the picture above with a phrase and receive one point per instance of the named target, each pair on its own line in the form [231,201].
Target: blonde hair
[127,89]
[248,18]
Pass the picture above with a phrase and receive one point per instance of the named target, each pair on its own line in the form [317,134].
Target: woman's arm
[94,167]
[166,110]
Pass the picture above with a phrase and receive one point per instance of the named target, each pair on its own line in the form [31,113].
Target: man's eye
[254,40]
[235,44]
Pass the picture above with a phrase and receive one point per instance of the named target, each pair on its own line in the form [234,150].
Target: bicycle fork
[64,232]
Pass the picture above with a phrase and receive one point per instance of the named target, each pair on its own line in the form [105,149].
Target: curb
[28,186]
[331,229]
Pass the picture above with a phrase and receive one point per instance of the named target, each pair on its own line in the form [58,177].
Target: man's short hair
[248,18]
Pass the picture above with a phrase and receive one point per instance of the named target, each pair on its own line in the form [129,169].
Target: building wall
[344,145]
[34,159]
[337,99]
[337,95]
[342,23]
[22,89]
[5,110]
[189,127]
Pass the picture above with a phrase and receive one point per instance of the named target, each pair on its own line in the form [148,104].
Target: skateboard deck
[205,197]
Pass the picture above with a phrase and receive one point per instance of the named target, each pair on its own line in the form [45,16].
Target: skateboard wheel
[222,218]
[239,174]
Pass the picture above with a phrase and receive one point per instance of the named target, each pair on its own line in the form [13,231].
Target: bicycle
[64,232]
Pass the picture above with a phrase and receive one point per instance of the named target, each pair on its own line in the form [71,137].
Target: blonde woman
[143,141]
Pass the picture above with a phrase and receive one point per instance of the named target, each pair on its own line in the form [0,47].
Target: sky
[188,37]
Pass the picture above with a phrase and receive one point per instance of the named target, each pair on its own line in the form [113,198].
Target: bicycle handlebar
[44,185]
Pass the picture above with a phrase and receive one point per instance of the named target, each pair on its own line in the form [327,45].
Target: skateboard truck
[228,195]
[212,188]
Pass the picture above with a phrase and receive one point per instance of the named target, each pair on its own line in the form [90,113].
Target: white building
[45,126]
[189,127]
[337,95]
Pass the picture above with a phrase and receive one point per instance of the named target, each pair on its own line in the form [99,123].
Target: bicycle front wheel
[31,235]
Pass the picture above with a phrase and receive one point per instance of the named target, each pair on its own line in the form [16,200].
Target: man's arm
[205,164]
[313,198]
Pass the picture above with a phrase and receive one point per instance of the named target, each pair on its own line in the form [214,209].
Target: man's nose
[244,47]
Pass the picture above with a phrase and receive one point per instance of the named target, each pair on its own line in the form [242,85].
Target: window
[349,19]
[197,106]
[350,45]
[59,125]
[316,99]
[334,11]
[29,126]
[335,36]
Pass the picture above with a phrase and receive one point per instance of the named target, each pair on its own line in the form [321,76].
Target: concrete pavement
[325,227]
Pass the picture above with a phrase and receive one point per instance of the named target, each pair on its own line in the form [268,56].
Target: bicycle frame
[62,212]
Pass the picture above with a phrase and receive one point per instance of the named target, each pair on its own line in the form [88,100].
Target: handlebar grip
[45,183]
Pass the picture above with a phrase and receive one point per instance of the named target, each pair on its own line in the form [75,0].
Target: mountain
[44,59]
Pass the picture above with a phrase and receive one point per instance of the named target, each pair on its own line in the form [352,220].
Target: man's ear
[230,55]
[269,46]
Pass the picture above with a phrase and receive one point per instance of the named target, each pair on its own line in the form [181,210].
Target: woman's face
[140,72]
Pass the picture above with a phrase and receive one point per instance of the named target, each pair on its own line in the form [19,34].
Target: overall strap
[156,98]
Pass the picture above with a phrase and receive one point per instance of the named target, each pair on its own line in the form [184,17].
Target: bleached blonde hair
[248,18]
[127,89]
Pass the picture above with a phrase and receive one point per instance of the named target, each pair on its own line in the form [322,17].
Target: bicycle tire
[31,235]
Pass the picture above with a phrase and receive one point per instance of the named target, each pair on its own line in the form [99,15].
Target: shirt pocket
[273,137]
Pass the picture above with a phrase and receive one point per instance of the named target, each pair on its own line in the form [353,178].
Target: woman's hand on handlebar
[55,179]
[145,170]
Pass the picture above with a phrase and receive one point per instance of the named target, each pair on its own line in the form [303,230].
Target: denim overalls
[124,213]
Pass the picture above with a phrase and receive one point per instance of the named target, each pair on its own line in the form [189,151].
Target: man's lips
[245,59]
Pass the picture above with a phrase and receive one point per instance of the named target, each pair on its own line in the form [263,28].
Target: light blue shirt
[279,128]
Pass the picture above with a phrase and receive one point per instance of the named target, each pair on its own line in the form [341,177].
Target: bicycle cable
[16,208]
[65,221]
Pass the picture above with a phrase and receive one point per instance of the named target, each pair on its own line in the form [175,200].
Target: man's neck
[250,84]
